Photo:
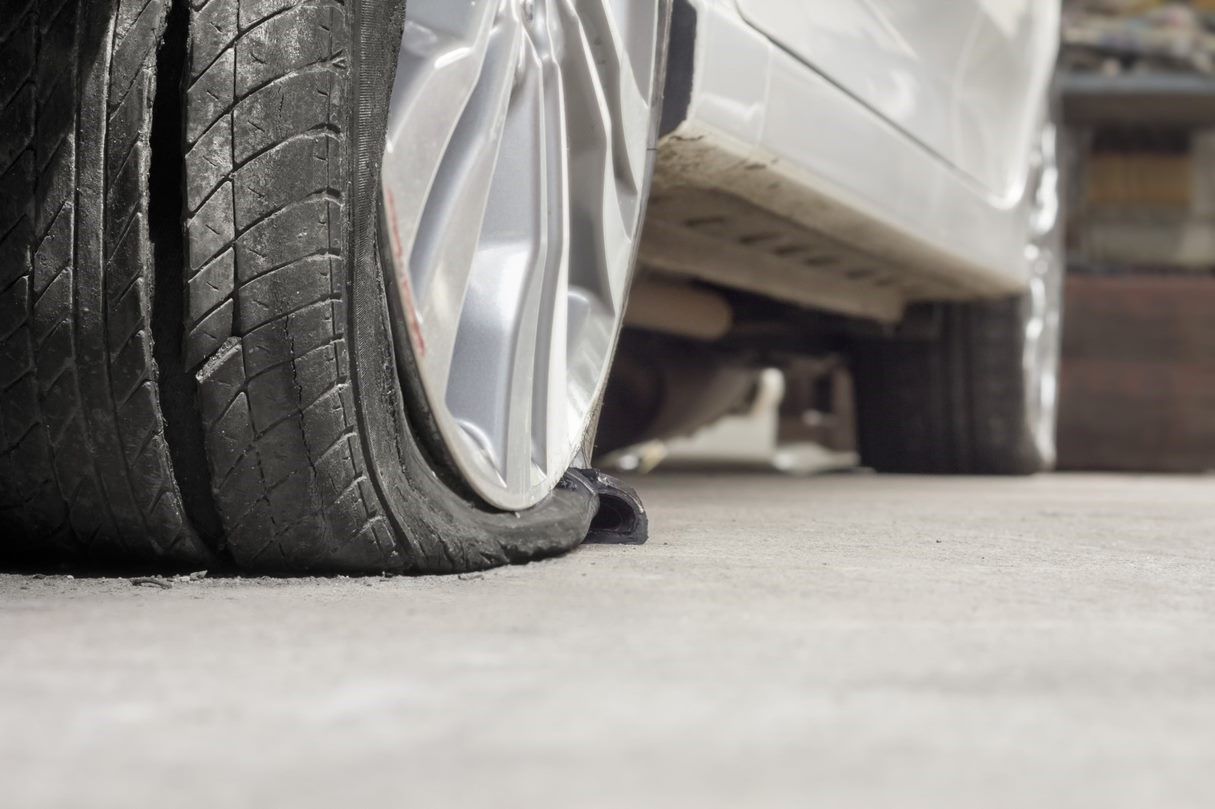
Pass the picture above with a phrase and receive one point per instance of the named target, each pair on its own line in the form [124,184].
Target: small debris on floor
[197,575]
[151,581]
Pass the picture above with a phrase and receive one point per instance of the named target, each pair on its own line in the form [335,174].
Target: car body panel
[963,77]
[764,125]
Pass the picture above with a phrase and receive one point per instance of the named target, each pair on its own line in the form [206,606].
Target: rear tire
[953,405]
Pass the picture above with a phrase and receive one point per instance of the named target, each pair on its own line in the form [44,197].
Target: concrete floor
[833,641]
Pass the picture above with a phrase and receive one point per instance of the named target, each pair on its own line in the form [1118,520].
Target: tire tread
[82,413]
[273,377]
[950,405]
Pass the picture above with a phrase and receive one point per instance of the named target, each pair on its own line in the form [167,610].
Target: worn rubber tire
[955,404]
[315,459]
[85,469]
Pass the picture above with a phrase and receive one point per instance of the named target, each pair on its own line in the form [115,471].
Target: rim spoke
[551,400]
[445,257]
[596,31]
[598,210]
[503,315]
[636,27]
[443,50]
[530,325]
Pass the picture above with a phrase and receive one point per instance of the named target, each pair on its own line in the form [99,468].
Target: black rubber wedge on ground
[314,460]
[85,469]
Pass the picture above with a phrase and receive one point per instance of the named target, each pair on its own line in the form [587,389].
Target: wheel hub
[512,187]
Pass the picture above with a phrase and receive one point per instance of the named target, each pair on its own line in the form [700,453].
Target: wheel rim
[1044,252]
[512,184]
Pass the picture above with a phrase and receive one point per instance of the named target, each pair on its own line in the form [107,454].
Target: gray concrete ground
[833,641]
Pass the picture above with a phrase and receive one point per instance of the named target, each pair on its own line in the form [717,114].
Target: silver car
[315,286]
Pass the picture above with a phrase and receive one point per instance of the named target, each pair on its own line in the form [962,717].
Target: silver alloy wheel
[513,182]
[1044,253]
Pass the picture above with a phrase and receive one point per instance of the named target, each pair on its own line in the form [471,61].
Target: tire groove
[93,457]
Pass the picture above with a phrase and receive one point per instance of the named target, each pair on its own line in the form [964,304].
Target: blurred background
[1137,385]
